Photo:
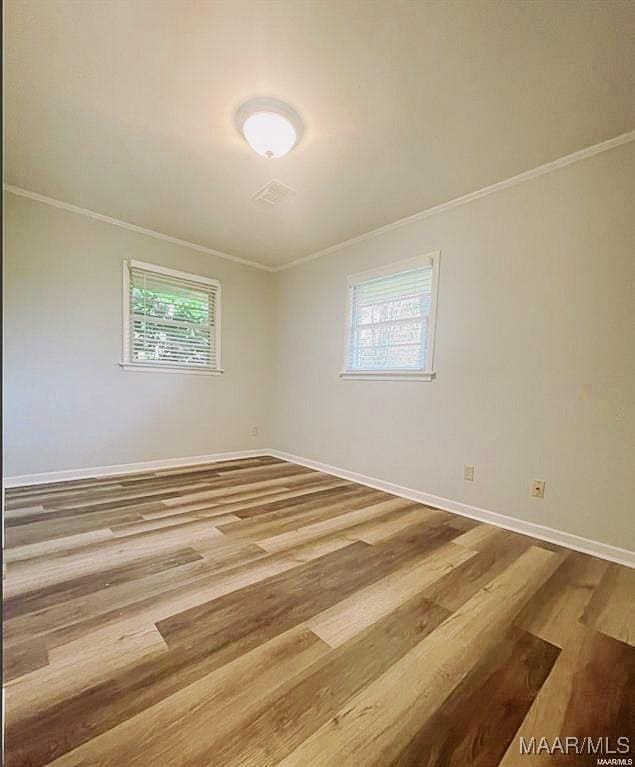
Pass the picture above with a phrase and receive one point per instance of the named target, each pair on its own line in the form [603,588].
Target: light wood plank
[55,545]
[341,522]
[554,612]
[53,569]
[375,531]
[394,706]
[612,607]
[66,674]
[367,606]
[169,732]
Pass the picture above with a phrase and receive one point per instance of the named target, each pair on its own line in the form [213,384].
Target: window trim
[428,374]
[151,367]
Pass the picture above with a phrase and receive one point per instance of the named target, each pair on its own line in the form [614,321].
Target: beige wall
[67,403]
[534,353]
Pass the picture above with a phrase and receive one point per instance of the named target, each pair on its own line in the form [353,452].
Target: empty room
[319,400]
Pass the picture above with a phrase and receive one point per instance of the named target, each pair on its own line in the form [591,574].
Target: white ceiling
[126,107]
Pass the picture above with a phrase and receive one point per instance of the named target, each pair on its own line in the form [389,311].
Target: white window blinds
[390,323]
[173,319]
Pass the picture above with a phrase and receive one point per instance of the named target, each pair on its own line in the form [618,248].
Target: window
[391,314]
[171,320]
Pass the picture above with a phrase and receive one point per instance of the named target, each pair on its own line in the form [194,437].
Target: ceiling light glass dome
[271,128]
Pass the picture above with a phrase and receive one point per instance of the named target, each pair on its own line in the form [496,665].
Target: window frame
[418,374]
[151,367]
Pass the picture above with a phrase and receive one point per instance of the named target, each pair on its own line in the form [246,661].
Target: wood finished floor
[256,612]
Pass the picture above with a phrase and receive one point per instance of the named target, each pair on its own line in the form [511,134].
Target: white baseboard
[559,537]
[543,533]
[128,468]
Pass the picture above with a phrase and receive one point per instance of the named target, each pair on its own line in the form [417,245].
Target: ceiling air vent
[272,193]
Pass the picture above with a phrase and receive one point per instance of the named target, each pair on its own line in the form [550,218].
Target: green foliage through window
[172,321]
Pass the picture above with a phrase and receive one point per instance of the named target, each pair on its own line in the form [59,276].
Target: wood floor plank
[288,598]
[242,486]
[399,702]
[554,611]
[206,637]
[68,517]
[24,511]
[46,597]
[24,657]
[108,501]
[318,549]
[612,606]
[312,497]
[589,693]
[166,594]
[89,559]
[51,488]
[147,525]
[293,516]
[273,470]
[218,466]
[108,702]
[52,684]
[458,586]
[110,603]
[143,525]
[382,528]
[477,537]
[478,721]
[607,677]
[340,522]
[201,510]
[301,706]
[55,545]
[463,524]
[106,626]
[17,500]
[252,613]
[220,477]
[51,527]
[245,500]
[176,729]
[366,606]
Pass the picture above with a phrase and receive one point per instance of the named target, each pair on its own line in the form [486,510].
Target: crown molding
[520,178]
[132,227]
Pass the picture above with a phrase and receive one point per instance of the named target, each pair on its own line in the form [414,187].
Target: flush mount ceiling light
[270,127]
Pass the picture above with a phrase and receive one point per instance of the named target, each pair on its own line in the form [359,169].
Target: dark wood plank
[65,591]
[24,657]
[316,499]
[298,515]
[457,587]
[301,707]
[479,719]
[602,700]
[49,529]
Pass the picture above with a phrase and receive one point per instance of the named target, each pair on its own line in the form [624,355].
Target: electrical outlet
[468,473]
[538,488]
[254,431]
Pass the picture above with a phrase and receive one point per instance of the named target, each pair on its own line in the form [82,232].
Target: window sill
[168,369]
[387,375]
